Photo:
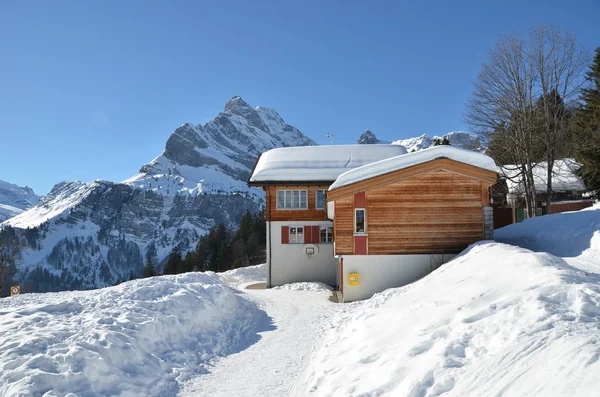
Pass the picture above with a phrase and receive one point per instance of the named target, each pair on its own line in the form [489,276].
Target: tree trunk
[549,185]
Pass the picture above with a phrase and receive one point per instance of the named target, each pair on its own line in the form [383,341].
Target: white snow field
[497,320]
[140,338]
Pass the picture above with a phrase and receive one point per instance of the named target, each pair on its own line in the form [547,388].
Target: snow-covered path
[275,364]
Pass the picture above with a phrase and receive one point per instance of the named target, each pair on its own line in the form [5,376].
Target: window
[292,199]
[360,224]
[326,234]
[320,199]
[296,235]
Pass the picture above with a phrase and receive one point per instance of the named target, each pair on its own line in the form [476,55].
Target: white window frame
[295,239]
[364,232]
[328,236]
[317,199]
[291,199]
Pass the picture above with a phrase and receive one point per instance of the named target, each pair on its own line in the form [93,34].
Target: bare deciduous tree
[559,64]
[515,101]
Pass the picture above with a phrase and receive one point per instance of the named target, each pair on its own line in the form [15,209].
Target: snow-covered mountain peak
[237,105]
[218,155]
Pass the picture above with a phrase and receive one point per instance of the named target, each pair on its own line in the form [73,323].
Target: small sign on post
[15,290]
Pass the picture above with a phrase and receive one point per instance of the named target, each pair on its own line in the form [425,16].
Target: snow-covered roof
[564,177]
[317,163]
[411,159]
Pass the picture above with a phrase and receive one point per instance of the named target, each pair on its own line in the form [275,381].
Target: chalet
[365,218]
[296,179]
[398,219]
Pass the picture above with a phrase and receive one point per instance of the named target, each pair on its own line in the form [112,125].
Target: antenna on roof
[330,135]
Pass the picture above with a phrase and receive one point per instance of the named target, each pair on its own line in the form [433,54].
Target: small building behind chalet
[567,185]
[398,219]
[295,180]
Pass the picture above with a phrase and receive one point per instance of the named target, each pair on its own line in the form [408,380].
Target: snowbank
[304,286]
[567,234]
[238,278]
[497,320]
[141,338]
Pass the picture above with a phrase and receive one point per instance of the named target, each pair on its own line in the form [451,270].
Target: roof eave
[288,183]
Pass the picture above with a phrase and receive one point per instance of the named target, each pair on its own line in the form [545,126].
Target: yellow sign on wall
[354,279]
[15,290]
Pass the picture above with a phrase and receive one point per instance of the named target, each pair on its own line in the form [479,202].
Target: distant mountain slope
[15,199]
[86,235]
[460,139]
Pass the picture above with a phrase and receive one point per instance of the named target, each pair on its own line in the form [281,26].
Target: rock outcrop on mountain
[15,199]
[88,235]
[369,138]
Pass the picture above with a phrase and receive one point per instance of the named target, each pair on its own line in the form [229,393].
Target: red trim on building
[360,245]
[360,200]
[285,235]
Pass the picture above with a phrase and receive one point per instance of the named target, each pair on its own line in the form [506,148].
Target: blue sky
[92,90]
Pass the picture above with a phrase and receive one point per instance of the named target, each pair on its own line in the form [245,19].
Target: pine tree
[173,262]
[587,127]
[149,268]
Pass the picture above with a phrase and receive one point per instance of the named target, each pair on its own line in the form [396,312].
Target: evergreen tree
[587,127]
[173,262]
[149,268]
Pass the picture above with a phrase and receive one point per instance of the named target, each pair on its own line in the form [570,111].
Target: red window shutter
[285,234]
[307,234]
[311,235]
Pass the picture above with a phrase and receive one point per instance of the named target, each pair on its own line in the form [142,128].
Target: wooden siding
[436,212]
[439,211]
[343,226]
[310,214]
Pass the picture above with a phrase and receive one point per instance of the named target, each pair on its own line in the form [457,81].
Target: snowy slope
[15,199]
[568,234]
[498,320]
[87,235]
[459,139]
[141,338]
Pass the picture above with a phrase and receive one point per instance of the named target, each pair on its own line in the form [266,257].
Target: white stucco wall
[380,272]
[290,264]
